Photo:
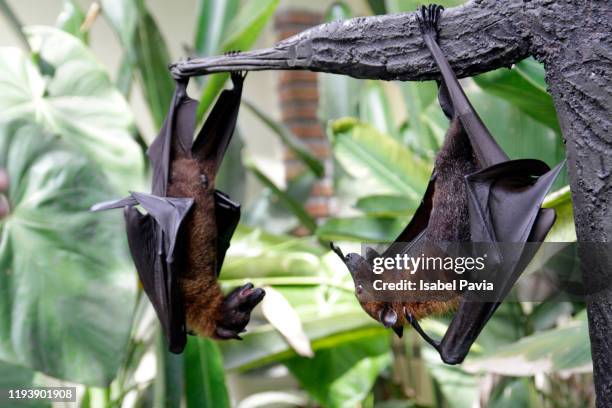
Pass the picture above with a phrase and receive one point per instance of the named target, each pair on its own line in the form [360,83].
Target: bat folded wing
[152,241]
[505,207]
[227,214]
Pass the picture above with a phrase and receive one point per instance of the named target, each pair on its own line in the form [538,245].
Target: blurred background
[316,158]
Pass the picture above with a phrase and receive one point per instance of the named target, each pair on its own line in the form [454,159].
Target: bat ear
[371,254]
[337,250]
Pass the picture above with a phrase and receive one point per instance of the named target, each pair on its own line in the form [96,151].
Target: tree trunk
[572,38]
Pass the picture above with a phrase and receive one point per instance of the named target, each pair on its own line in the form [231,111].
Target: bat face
[361,272]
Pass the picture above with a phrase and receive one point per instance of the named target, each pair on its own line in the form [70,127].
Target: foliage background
[71,134]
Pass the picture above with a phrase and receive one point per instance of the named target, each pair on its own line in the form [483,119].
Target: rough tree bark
[574,41]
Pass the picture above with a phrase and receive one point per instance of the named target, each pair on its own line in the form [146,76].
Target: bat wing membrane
[152,241]
[227,213]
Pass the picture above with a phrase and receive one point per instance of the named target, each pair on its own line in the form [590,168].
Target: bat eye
[359,289]
[204,180]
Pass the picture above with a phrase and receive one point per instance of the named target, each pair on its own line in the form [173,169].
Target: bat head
[361,270]
[236,311]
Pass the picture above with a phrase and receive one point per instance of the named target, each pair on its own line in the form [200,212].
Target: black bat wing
[417,225]
[174,139]
[216,133]
[152,239]
[227,213]
[505,199]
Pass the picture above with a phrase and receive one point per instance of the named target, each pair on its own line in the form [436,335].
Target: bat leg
[236,311]
[416,326]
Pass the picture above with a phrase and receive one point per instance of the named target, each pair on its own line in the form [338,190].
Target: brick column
[299,99]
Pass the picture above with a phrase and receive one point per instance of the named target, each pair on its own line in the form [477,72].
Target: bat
[475,195]
[179,245]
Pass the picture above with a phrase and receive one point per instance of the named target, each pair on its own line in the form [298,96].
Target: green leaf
[152,59]
[524,88]
[518,133]
[514,392]
[563,230]
[289,202]
[380,163]
[289,140]
[169,378]
[213,18]
[421,133]
[343,376]
[123,18]
[339,93]
[269,213]
[78,103]
[18,378]
[63,300]
[71,19]
[374,109]
[363,229]
[564,350]
[241,34]
[377,7]
[386,205]
[204,374]
[146,50]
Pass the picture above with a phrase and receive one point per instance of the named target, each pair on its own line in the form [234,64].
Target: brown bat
[475,194]
[180,244]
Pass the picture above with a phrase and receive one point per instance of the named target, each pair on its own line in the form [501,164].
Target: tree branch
[478,37]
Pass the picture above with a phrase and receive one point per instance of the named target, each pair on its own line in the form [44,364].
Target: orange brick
[322,190]
[297,76]
[308,131]
[318,209]
[296,17]
[293,169]
[290,112]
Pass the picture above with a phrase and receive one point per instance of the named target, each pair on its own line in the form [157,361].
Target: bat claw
[236,311]
[226,334]
[428,19]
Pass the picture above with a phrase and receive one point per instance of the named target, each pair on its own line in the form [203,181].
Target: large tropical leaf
[342,376]
[380,164]
[74,98]
[67,286]
[564,349]
[524,87]
[14,377]
[204,375]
